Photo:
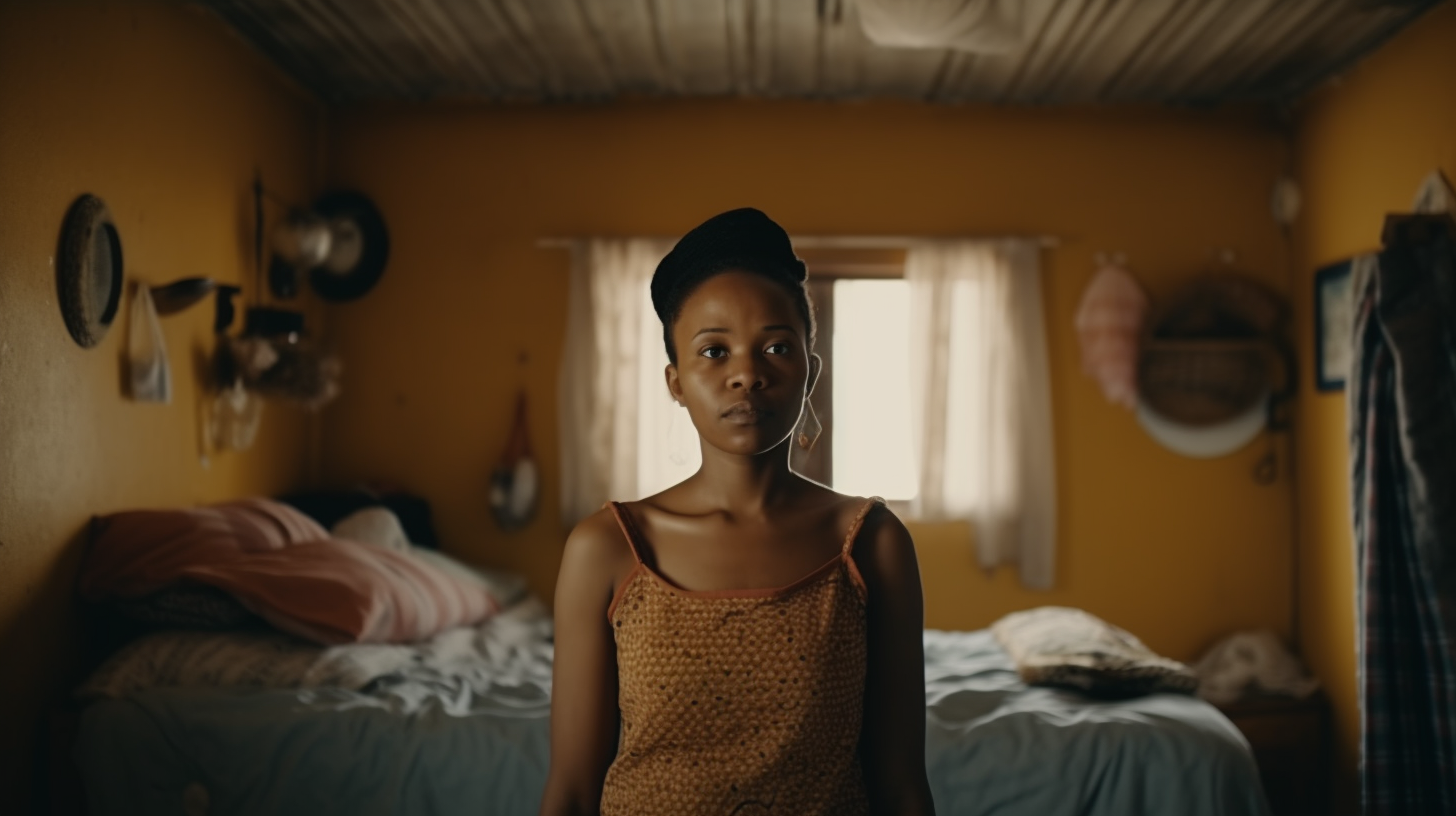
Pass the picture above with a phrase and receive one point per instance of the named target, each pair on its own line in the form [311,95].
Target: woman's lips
[745,413]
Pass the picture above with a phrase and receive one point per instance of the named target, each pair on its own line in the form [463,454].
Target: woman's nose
[747,376]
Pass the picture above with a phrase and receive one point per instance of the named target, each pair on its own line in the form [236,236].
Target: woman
[747,641]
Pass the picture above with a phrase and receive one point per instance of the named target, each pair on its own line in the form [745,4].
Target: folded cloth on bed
[283,566]
[1059,646]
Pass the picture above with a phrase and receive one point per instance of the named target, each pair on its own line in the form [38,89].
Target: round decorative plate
[89,270]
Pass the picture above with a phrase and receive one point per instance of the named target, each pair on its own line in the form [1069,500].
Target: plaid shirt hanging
[1402,414]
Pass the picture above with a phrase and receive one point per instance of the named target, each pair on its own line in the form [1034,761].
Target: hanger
[1431,215]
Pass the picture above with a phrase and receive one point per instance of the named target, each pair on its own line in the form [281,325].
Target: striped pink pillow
[283,566]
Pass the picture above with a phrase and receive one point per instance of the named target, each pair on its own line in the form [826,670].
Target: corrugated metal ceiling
[1073,51]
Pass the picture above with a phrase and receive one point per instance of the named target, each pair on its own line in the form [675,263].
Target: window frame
[827,266]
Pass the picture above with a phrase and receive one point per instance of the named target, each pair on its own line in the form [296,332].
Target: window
[863,398]
[872,453]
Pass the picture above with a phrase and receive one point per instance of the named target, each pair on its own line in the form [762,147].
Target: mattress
[475,740]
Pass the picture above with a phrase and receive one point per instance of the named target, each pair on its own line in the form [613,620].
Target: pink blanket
[283,566]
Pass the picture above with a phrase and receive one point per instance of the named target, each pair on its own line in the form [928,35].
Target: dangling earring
[809,427]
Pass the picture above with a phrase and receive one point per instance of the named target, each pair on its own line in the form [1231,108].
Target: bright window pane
[872,455]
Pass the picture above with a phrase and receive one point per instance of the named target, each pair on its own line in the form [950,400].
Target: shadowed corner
[36,771]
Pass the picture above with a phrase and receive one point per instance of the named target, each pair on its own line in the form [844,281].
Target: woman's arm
[892,744]
[584,715]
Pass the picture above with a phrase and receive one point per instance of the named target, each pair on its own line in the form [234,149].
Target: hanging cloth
[1402,414]
[981,400]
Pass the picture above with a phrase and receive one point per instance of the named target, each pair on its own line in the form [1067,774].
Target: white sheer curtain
[622,437]
[981,398]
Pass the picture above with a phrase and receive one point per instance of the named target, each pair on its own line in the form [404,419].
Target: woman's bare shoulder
[884,544]
[598,544]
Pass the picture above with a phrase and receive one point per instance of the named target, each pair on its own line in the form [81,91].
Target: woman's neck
[746,485]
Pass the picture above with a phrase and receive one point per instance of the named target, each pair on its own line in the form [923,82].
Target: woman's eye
[778,348]
[714,352]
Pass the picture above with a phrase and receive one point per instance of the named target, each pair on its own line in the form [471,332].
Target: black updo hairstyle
[738,240]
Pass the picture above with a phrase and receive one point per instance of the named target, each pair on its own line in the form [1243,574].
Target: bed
[311,671]
[461,725]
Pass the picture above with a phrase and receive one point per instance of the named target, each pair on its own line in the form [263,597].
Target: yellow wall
[1364,145]
[159,110]
[1179,551]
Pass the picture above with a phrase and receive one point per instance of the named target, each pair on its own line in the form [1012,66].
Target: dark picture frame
[1332,343]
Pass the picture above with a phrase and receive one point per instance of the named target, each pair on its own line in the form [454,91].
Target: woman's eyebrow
[774,327]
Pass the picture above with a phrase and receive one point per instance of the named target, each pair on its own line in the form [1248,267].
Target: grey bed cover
[476,742]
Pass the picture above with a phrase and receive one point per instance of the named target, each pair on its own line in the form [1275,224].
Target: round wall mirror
[89,270]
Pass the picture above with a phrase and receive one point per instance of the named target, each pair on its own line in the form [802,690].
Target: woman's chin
[750,441]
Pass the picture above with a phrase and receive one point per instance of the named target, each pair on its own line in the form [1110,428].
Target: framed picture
[1332,341]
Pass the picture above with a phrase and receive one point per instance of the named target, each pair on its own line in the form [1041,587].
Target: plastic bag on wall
[146,352]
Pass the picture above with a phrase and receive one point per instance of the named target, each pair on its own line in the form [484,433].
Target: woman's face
[743,364]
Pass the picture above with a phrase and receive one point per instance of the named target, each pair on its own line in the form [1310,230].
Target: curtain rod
[849,241]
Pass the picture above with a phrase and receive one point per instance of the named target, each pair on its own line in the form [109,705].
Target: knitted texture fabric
[739,701]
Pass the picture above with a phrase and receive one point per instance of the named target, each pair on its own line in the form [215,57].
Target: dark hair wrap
[738,240]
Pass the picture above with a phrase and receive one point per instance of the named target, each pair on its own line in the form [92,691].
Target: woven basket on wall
[1212,352]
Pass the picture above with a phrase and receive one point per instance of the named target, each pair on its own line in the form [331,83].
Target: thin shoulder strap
[629,528]
[859,519]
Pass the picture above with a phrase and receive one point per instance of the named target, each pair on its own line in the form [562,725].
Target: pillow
[198,659]
[265,659]
[186,607]
[379,527]
[327,507]
[284,567]
[508,588]
[1058,646]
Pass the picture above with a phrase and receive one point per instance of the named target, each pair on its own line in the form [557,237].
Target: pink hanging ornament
[1109,323]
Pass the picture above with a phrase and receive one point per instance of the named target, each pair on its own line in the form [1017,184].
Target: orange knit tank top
[739,701]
